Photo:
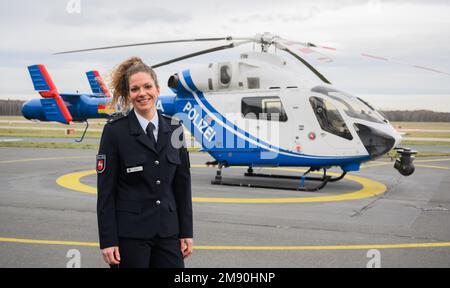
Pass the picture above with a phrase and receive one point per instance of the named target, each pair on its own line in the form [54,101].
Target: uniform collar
[163,131]
[144,122]
[136,128]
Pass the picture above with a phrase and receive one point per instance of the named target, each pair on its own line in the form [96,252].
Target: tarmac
[371,218]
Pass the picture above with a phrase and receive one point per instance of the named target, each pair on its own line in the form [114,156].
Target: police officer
[144,205]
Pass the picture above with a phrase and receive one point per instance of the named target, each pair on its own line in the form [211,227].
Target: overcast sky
[416,32]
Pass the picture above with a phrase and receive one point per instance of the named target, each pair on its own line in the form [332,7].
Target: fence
[11,107]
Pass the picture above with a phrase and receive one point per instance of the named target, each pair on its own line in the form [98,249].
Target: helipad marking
[375,164]
[378,163]
[432,166]
[250,248]
[42,159]
[331,247]
[72,181]
[48,242]
[370,189]
[431,160]
[11,140]
[88,189]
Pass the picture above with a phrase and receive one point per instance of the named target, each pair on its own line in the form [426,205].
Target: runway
[403,221]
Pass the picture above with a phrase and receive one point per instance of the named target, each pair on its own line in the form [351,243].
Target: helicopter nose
[376,142]
[398,138]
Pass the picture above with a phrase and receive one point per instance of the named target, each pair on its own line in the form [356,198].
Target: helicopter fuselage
[259,110]
[262,111]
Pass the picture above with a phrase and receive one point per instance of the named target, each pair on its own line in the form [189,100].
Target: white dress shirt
[144,123]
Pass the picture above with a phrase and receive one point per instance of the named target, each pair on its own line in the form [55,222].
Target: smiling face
[143,94]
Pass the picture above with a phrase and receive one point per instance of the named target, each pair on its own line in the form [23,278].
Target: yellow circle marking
[48,242]
[42,159]
[370,189]
[431,160]
[71,181]
[432,166]
[249,248]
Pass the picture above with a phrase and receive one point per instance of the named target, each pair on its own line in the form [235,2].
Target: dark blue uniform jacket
[143,191]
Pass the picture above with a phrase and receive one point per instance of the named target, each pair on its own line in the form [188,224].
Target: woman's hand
[186,247]
[111,255]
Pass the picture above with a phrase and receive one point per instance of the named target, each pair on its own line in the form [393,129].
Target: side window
[264,108]
[329,118]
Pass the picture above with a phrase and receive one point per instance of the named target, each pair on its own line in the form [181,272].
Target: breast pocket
[134,164]
[173,157]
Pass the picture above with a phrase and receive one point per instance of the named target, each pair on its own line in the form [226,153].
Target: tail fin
[54,107]
[96,82]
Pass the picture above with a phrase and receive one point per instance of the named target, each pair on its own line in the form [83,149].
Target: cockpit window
[367,104]
[382,115]
[329,118]
[352,106]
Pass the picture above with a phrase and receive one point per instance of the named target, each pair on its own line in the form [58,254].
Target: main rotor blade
[374,57]
[283,47]
[146,43]
[309,44]
[403,63]
[306,48]
[206,51]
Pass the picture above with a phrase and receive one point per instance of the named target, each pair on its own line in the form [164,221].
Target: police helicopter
[261,111]
[67,107]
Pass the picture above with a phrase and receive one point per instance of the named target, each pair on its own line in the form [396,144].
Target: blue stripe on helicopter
[227,123]
[190,83]
[254,156]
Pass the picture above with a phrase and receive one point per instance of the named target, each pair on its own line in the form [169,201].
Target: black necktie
[149,130]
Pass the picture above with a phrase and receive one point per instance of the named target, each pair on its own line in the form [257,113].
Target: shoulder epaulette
[115,117]
[172,121]
[166,116]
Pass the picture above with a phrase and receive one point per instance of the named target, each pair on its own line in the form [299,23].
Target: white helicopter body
[214,103]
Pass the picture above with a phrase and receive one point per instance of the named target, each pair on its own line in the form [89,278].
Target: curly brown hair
[120,76]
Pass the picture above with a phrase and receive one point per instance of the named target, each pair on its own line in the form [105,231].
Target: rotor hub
[266,40]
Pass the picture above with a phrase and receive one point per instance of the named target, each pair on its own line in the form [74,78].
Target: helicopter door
[264,116]
[298,123]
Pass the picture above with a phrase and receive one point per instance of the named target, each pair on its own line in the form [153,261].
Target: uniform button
[158,182]
[156,162]
[158,202]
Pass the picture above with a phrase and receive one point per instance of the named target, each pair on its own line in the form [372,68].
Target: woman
[144,205]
